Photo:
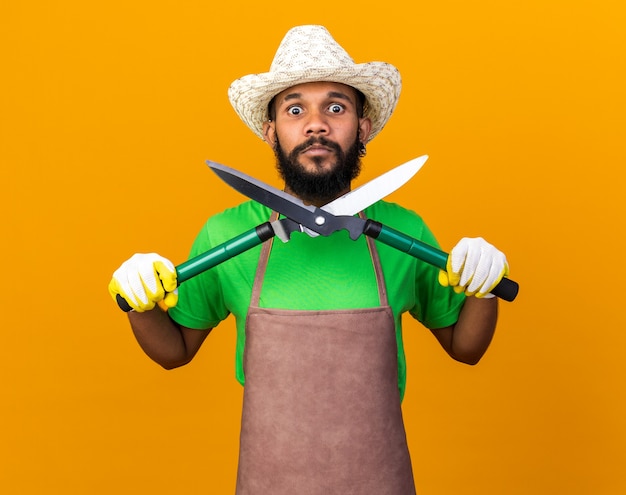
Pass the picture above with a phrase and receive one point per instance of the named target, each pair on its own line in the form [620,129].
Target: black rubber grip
[506,289]
[265,231]
[121,302]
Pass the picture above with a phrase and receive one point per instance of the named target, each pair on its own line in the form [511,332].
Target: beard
[322,186]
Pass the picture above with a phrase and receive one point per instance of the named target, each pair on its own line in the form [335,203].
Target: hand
[144,280]
[474,267]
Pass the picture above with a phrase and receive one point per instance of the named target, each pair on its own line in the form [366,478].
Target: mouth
[317,150]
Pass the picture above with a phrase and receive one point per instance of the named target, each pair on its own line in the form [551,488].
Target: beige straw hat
[310,54]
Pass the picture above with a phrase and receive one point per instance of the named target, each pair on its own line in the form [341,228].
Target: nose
[316,124]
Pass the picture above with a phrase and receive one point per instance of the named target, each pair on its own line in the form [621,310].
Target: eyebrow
[330,94]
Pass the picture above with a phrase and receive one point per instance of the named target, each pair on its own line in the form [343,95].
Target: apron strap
[265,254]
[378,269]
[261,266]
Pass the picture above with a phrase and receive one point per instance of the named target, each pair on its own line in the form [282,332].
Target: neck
[317,202]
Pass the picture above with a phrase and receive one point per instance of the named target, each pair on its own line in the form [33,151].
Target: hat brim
[378,81]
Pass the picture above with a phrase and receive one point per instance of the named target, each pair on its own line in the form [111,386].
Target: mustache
[322,141]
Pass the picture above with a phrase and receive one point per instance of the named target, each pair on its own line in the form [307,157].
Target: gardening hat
[310,54]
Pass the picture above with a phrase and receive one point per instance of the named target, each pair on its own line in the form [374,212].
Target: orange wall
[107,113]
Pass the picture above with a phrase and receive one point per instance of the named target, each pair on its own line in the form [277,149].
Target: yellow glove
[474,267]
[145,280]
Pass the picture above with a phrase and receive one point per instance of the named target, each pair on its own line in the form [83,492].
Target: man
[319,342]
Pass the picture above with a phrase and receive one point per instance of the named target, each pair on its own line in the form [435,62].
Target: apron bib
[321,407]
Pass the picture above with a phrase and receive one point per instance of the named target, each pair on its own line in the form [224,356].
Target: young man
[319,340]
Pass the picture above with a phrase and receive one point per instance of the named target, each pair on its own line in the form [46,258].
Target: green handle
[506,289]
[223,252]
[215,256]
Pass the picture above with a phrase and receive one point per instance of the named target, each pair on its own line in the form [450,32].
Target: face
[316,135]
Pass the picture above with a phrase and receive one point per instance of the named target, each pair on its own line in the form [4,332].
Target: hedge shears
[325,222]
[336,217]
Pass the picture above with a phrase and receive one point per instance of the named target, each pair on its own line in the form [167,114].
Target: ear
[269,133]
[365,128]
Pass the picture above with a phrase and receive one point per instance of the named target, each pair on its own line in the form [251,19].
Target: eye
[335,108]
[294,110]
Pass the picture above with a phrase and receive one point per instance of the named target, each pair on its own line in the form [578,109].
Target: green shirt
[315,273]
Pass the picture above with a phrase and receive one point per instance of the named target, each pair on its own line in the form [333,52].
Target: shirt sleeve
[435,306]
[200,299]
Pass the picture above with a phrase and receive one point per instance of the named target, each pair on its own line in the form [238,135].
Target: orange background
[107,113]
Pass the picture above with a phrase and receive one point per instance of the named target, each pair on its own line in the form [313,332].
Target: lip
[317,150]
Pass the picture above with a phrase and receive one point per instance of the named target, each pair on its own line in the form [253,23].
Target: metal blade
[309,216]
[284,227]
[360,198]
[369,193]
